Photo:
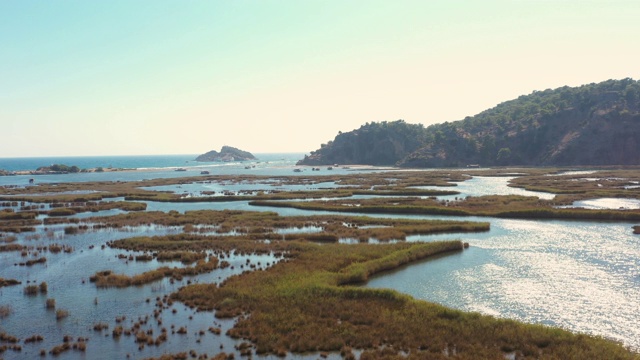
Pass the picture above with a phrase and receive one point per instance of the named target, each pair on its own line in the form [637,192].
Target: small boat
[297,170]
[204,172]
[330,168]
[181,169]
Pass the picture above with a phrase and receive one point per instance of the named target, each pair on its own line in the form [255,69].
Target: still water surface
[583,276]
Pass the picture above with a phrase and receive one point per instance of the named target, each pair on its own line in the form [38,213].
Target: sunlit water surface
[582,276]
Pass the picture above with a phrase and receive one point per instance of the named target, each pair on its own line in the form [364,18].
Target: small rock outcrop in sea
[227,153]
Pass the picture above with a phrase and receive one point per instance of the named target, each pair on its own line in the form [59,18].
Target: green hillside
[383,143]
[594,124]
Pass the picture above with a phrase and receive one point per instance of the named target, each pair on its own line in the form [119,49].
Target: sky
[134,77]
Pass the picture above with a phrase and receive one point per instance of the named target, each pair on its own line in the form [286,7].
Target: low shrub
[61,314]
[50,303]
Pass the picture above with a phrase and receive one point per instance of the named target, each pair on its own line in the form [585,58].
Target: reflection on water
[577,275]
[485,185]
[583,276]
[606,203]
[67,278]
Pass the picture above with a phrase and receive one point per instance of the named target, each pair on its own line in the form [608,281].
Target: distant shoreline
[92,170]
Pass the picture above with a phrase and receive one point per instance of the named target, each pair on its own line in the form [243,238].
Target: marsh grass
[61,314]
[185,257]
[511,206]
[388,183]
[31,290]
[62,212]
[13,247]
[50,304]
[264,225]
[307,304]
[8,282]
[109,279]
[5,311]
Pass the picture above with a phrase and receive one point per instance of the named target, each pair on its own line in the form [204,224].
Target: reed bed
[511,206]
[185,257]
[108,279]
[5,311]
[61,314]
[8,282]
[306,304]
[264,225]
[59,194]
[50,304]
[12,247]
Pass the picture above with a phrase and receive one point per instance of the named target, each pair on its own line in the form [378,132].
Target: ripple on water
[606,203]
[582,276]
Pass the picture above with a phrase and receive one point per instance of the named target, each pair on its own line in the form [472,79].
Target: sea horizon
[31,163]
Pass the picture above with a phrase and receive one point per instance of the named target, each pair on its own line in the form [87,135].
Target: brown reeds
[108,279]
[9,282]
[61,314]
[5,311]
[305,304]
[50,304]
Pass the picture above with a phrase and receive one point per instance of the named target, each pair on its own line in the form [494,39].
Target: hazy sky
[187,76]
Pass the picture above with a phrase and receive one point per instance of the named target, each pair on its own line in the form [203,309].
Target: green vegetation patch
[109,279]
[308,304]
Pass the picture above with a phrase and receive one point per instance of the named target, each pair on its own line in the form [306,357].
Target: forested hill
[595,124]
[383,143]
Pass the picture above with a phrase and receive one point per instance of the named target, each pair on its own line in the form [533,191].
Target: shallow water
[583,276]
[487,185]
[67,278]
[606,203]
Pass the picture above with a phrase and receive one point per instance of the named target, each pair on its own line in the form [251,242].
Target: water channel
[582,276]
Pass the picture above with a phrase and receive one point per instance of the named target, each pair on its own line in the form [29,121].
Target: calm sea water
[88,162]
[149,167]
[582,276]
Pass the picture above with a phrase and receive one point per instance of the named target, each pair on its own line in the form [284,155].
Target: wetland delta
[351,263]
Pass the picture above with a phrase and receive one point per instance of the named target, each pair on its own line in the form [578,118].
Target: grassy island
[310,303]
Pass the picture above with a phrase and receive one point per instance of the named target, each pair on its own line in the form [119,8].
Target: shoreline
[174,168]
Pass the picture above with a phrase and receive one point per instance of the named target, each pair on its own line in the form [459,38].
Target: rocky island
[227,153]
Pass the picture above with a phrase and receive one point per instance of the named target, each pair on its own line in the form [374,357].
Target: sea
[140,162]
[141,167]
